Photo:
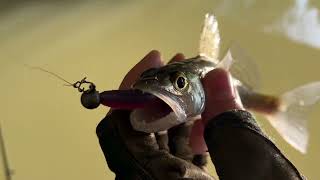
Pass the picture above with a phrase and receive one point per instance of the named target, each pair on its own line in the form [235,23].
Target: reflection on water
[49,135]
[300,23]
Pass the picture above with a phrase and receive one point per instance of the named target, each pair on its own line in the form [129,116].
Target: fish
[178,86]
[173,94]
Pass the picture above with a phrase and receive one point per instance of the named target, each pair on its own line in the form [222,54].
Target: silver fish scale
[194,65]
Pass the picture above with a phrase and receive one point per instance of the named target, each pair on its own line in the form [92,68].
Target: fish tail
[291,118]
[288,113]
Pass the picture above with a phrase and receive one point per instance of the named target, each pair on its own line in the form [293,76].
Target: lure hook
[90,98]
[78,85]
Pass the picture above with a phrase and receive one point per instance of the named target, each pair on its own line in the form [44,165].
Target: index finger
[151,60]
[177,57]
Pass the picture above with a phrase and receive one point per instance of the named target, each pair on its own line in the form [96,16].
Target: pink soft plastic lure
[128,99]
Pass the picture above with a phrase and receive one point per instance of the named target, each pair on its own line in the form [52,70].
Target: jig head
[90,98]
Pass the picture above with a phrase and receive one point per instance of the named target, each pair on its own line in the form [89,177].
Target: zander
[178,84]
[173,94]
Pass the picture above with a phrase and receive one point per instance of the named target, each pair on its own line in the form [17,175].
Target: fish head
[179,88]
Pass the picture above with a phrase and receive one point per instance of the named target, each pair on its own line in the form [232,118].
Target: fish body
[178,85]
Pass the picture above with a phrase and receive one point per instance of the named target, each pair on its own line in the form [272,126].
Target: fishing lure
[173,94]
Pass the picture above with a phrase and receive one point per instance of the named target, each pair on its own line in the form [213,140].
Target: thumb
[221,95]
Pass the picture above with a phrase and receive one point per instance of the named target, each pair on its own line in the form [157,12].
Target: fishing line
[52,73]
[77,84]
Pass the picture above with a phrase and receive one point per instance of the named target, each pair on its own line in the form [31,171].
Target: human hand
[221,96]
[238,147]
[138,155]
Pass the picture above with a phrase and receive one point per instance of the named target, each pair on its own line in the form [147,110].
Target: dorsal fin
[210,39]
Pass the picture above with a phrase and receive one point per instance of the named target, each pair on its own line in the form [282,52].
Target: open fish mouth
[158,117]
[151,112]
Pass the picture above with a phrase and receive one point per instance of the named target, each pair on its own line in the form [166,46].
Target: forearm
[240,150]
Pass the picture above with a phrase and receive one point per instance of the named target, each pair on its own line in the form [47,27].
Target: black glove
[136,155]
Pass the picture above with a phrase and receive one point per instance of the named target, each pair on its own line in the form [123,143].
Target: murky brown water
[47,132]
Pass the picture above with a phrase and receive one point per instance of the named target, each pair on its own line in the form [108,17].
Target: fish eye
[179,81]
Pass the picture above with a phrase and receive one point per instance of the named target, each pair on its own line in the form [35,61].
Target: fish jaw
[140,120]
